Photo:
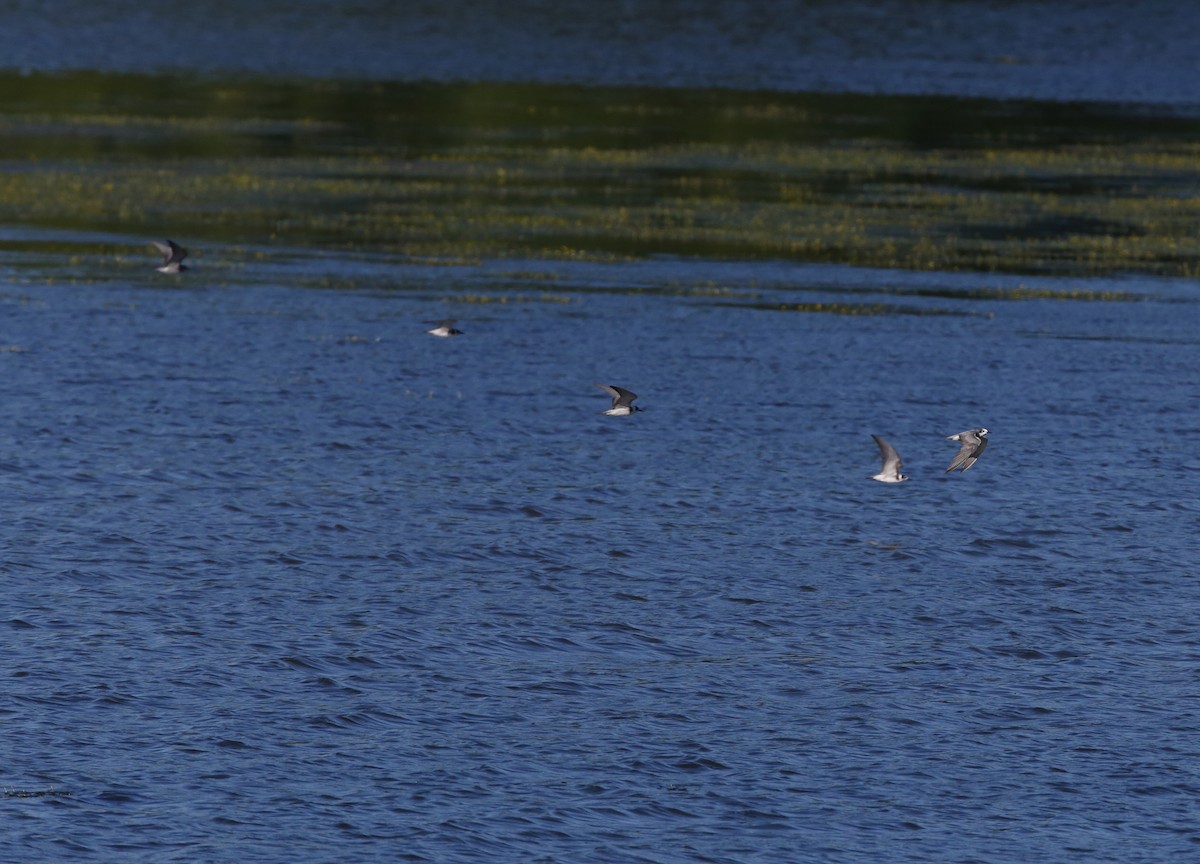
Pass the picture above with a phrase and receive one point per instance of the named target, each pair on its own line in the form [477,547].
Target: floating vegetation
[1018,293]
[711,290]
[1022,292]
[837,308]
[544,297]
[35,793]
[463,173]
[1093,337]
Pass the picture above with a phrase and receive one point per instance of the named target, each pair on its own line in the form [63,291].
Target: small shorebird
[622,404]
[972,444]
[444,328]
[173,255]
[890,472]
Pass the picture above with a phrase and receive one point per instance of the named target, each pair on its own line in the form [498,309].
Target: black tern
[173,255]
[890,473]
[444,328]
[622,404]
[972,444]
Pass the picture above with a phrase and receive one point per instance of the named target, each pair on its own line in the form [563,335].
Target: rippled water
[1103,50]
[288,579]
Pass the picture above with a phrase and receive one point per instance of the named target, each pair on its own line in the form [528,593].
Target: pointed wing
[620,395]
[980,446]
[624,397]
[970,446]
[172,252]
[964,453]
[891,459]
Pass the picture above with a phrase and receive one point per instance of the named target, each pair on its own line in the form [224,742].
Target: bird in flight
[622,401]
[972,443]
[890,472]
[444,328]
[173,255]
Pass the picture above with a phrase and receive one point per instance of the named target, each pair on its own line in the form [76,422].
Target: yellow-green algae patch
[865,309]
[462,173]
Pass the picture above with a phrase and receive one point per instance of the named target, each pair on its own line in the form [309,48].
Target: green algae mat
[466,172]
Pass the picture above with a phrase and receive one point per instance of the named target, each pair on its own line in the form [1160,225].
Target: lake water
[1110,51]
[288,579]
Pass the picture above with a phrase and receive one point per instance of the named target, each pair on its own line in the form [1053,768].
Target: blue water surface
[1127,51]
[288,579]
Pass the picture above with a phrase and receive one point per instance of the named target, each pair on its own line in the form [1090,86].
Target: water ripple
[476,632]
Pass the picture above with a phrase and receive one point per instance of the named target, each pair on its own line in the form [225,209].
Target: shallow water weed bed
[470,172]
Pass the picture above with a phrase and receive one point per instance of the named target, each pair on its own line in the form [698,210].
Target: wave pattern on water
[417,596]
[1099,51]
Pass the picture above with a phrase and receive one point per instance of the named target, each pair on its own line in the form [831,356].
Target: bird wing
[980,446]
[891,459]
[624,397]
[960,457]
[172,252]
[970,446]
[611,391]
